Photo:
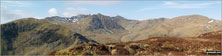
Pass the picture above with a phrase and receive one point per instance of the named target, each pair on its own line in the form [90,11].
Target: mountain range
[121,29]
[41,36]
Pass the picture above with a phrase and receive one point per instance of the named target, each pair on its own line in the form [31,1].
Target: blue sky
[137,10]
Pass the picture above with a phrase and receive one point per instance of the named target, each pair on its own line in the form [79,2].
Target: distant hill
[182,26]
[32,36]
[139,26]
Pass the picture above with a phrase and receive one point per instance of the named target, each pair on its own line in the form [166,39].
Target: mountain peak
[99,21]
[99,14]
[118,16]
[193,16]
[196,15]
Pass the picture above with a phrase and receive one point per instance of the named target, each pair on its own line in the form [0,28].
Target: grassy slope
[182,26]
[33,36]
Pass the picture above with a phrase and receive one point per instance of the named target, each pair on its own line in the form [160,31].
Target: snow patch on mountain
[68,19]
[74,20]
[210,21]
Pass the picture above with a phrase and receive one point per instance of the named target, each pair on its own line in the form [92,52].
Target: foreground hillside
[31,36]
[152,46]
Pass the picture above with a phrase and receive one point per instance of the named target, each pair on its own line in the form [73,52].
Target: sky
[136,10]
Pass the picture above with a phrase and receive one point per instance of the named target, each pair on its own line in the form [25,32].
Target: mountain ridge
[181,26]
[138,28]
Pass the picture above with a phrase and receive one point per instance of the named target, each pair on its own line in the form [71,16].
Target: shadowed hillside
[32,36]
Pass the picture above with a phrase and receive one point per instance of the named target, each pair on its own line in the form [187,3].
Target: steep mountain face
[182,26]
[100,21]
[32,36]
[96,27]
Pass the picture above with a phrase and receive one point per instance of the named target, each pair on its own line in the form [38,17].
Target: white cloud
[68,12]
[74,11]
[144,9]
[92,2]
[53,12]
[178,6]
[184,6]
[169,3]
[16,3]
[9,15]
